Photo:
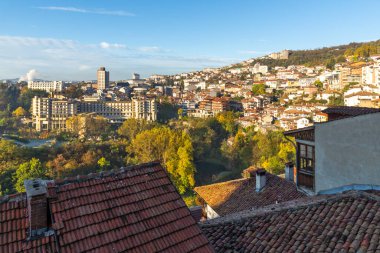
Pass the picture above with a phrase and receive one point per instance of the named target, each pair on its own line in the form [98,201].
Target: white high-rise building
[103,78]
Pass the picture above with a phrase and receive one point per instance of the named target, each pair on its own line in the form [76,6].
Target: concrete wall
[347,152]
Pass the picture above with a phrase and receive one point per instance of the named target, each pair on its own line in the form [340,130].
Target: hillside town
[285,98]
[189,126]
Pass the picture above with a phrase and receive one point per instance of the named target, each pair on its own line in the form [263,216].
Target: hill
[325,56]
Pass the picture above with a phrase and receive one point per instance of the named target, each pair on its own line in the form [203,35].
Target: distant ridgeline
[324,56]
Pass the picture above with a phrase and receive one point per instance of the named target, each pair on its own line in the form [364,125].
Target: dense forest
[325,55]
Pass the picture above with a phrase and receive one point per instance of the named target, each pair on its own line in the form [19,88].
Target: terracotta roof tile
[14,226]
[347,222]
[237,195]
[136,209]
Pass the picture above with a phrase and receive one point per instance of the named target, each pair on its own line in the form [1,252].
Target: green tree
[29,170]
[258,89]
[25,99]
[318,84]
[131,127]
[88,125]
[228,121]
[19,112]
[73,91]
[167,111]
[172,147]
[330,64]
[272,151]
[104,163]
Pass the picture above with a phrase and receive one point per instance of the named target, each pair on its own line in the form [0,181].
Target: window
[306,157]
[305,166]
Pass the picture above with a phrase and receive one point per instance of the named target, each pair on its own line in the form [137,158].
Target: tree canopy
[172,147]
[29,170]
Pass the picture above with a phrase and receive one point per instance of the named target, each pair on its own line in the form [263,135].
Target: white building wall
[347,152]
[211,214]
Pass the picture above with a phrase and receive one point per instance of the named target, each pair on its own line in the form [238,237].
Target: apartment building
[48,86]
[51,114]
[103,78]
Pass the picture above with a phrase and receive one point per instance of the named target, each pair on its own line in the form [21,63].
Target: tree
[19,112]
[318,84]
[73,91]
[166,111]
[336,100]
[88,125]
[180,113]
[104,163]
[228,121]
[272,151]
[330,64]
[29,170]
[131,127]
[57,166]
[172,147]
[258,89]
[25,99]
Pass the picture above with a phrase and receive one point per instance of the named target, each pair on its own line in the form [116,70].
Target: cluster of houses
[293,96]
[289,97]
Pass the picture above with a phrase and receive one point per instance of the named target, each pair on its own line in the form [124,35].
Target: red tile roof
[341,223]
[134,209]
[196,212]
[13,228]
[237,195]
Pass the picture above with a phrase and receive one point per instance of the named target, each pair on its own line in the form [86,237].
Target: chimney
[261,179]
[289,171]
[37,206]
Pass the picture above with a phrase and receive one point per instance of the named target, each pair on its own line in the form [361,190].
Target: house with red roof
[348,222]
[134,209]
[256,189]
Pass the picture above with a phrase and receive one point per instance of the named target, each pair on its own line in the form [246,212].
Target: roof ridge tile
[288,205]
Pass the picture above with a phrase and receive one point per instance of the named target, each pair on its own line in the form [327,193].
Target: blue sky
[69,40]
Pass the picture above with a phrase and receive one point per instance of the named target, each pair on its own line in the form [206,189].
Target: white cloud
[32,41]
[153,49]
[73,60]
[94,11]
[83,67]
[106,45]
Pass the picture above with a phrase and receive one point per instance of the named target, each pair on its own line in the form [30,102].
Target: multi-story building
[118,111]
[340,154]
[284,54]
[51,114]
[103,78]
[49,86]
[220,105]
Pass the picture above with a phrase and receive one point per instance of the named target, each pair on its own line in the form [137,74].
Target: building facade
[340,154]
[48,86]
[103,78]
[51,114]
